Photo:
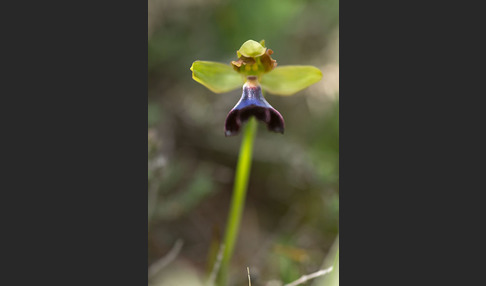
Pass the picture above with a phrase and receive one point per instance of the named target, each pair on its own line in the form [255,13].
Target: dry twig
[308,277]
[164,261]
[217,265]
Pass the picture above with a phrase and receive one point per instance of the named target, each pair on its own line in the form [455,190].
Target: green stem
[238,200]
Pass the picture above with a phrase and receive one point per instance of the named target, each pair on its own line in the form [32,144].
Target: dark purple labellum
[252,103]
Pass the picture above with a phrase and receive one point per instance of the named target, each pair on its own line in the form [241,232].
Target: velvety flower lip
[252,103]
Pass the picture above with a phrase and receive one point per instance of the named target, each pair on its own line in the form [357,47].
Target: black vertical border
[409,134]
[118,32]
[77,154]
[377,150]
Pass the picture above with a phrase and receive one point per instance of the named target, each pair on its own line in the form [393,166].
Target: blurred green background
[291,215]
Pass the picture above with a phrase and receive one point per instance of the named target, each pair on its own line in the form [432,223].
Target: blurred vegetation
[291,215]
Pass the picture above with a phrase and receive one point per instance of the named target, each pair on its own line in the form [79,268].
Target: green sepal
[251,49]
[217,77]
[287,80]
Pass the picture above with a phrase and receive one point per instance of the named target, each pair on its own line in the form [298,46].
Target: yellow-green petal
[251,49]
[217,77]
[287,80]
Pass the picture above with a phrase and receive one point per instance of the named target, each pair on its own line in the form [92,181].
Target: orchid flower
[253,70]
